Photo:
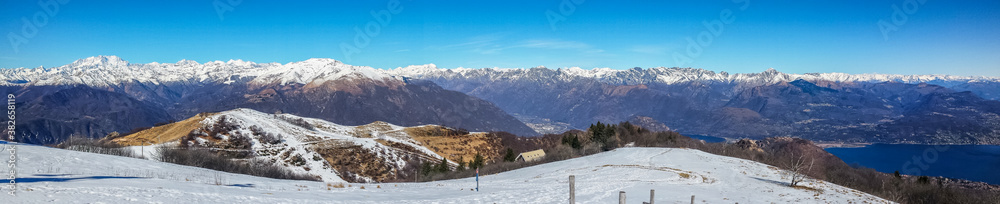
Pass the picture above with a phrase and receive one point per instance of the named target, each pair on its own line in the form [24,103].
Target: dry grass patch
[454,145]
[807,188]
[166,133]
[365,131]
[354,161]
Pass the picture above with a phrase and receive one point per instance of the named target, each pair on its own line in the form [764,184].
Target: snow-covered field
[61,176]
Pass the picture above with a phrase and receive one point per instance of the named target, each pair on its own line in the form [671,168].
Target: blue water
[708,139]
[970,162]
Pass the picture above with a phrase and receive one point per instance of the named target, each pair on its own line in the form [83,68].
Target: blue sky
[937,37]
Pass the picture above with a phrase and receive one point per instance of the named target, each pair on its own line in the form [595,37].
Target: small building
[530,156]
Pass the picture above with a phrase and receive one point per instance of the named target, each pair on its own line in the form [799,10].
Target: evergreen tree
[425,168]
[461,164]
[572,141]
[443,166]
[509,156]
[600,132]
[477,162]
[596,132]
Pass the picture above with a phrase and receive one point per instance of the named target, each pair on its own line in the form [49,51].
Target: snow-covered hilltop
[111,70]
[63,176]
[307,146]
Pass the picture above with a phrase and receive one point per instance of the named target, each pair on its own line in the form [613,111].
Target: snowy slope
[60,176]
[103,71]
[305,144]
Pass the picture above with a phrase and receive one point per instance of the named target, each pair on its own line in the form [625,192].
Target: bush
[265,137]
[96,146]
[210,160]
[298,122]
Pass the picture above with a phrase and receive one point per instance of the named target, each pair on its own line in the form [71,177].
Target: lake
[970,162]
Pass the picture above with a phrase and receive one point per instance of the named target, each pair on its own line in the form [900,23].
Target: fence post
[621,197]
[692,199]
[572,189]
[650,196]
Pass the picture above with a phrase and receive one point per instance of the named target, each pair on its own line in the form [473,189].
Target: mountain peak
[414,70]
[322,61]
[100,60]
[186,62]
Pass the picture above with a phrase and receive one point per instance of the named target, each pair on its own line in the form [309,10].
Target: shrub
[265,137]
[298,122]
[96,146]
[210,160]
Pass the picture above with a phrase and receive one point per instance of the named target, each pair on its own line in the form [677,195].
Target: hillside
[161,134]
[62,176]
[375,152]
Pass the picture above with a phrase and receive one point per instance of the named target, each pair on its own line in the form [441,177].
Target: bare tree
[797,167]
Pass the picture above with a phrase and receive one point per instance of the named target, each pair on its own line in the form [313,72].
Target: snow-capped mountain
[104,71]
[986,87]
[697,101]
[96,96]
[828,107]
[665,75]
[109,70]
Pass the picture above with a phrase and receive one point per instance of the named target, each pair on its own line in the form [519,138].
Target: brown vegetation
[96,146]
[161,134]
[214,160]
[354,162]
[456,144]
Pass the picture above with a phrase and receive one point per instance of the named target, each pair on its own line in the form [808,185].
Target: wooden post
[650,196]
[692,199]
[572,189]
[621,197]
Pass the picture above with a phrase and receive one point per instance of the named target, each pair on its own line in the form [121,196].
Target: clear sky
[794,36]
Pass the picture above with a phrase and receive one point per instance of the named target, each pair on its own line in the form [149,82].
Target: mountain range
[829,107]
[98,95]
